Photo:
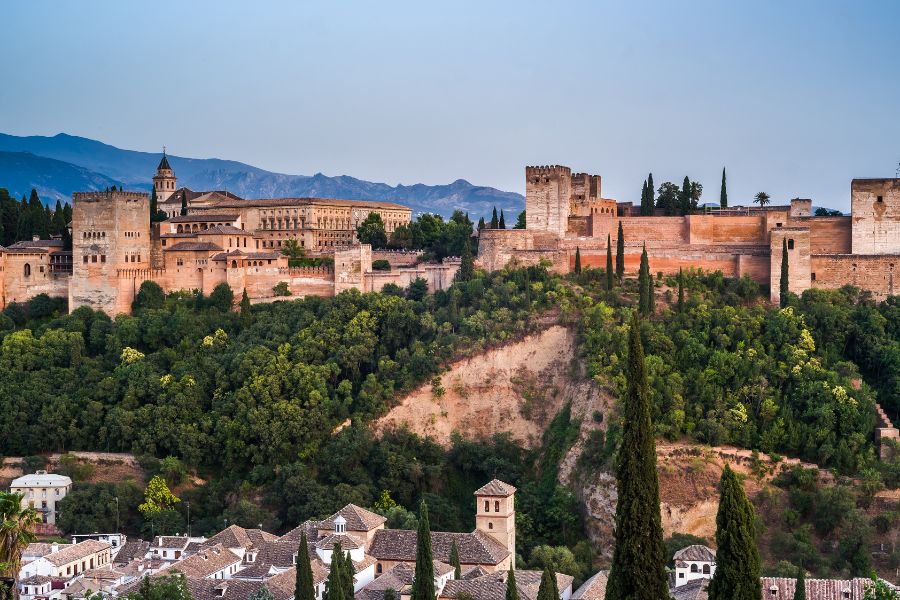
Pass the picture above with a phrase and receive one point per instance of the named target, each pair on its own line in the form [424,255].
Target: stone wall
[873,273]
[398,258]
[829,235]
[716,230]
[16,286]
[875,206]
[350,265]
[547,194]
[799,274]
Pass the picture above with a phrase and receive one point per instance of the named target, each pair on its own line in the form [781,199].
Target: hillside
[53,179]
[135,169]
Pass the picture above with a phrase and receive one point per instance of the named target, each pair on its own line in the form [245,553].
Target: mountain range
[59,165]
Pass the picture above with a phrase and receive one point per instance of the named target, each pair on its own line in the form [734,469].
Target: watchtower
[547,193]
[110,230]
[875,209]
[495,514]
[164,182]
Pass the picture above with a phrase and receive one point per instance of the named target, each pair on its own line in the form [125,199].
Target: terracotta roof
[222,230]
[329,542]
[203,218]
[495,487]
[696,553]
[442,568]
[818,589]
[41,548]
[193,247]
[36,580]
[208,561]
[247,255]
[357,518]
[474,572]
[238,537]
[312,532]
[76,552]
[493,585]
[131,550]
[275,202]
[178,542]
[31,244]
[697,590]
[594,588]
[395,578]
[475,548]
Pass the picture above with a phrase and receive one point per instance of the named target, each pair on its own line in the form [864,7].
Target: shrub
[281,289]
[381,265]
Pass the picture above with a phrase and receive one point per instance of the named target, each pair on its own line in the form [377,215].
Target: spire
[164,163]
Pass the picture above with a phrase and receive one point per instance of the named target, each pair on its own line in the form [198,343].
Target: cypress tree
[639,556]
[347,573]
[783,284]
[577,260]
[644,198]
[737,557]
[494,221]
[502,222]
[800,588]
[723,194]
[390,594]
[684,198]
[246,317]
[512,591]
[303,586]
[154,202]
[609,263]
[466,263]
[651,194]
[481,224]
[184,204]
[58,221]
[620,253]
[680,291]
[423,579]
[644,284]
[454,561]
[548,589]
[334,588]
[651,293]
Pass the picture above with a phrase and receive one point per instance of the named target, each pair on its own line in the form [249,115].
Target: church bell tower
[495,514]
[164,182]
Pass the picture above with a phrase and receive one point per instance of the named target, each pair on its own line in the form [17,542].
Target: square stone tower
[495,514]
[875,210]
[110,231]
[547,195]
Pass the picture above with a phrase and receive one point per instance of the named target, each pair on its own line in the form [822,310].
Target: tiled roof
[357,518]
[442,568]
[495,487]
[41,548]
[208,561]
[33,244]
[238,537]
[493,585]
[697,590]
[474,572]
[276,202]
[194,247]
[131,550]
[594,588]
[36,580]
[247,255]
[164,163]
[76,552]
[222,230]
[312,532]
[203,218]
[817,589]
[177,542]
[696,553]
[329,542]
[475,548]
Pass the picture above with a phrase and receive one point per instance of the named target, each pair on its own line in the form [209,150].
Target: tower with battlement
[547,198]
[875,206]
[110,231]
[164,182]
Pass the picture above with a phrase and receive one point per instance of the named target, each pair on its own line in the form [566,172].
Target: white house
[68,561]
[42,491]
[694,562]
[36,587]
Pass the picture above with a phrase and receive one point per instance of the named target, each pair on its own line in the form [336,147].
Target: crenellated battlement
[110,196]
[142,274]
[548,171]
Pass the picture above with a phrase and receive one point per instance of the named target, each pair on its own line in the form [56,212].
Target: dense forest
[269,405]
[21,220]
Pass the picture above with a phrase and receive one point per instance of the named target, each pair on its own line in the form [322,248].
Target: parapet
[109,196]
[549,171]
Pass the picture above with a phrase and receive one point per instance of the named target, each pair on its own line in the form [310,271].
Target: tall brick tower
[164,182]
[110,231]
[547,194]
[495,513]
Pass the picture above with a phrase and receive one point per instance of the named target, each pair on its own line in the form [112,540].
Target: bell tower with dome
[164,182]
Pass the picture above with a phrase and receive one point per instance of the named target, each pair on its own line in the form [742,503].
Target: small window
[487,506]
[496,506]
[27,270]
[706,569]
[85,259]
[880,199]
[103,258]
[93,258]
[790,244]
[693,568]
[777,224]
[490,525]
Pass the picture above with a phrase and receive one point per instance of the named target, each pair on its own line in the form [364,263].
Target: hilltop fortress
[566,213]
[220,239]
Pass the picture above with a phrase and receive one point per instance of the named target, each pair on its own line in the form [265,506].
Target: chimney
[54,548]
[35,237]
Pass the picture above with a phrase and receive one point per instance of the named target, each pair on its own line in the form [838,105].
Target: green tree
[423,579]
[246,315]
[644,199]
[150,295]
[390,594]
[521,222]
[495,222]
[684,197]
[335,589]
[645,284]
[184,204]
[454,561]
[620,253]
[784,283]
[737,556]
[58,222]
[371,231]
[481,224]
[418,289]
[222,297]
[696,193]
[800,586]
[723,193]
[262,593]
[304,588]
[880,590]
[638,565]
[502,222]
[157,497]
[577,260]
[512,590]
[762,199]
[466,264]
[292,249]
[154,202]
[668,198]
[17,527]
[165,587]
[609,263]
[680,290]
[548,589]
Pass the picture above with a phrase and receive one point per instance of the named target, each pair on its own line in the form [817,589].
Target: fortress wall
[798,260]
[710,229]
[397,258]
[16,287]
[656,231]
[830,235]
[875,205]
[870,272]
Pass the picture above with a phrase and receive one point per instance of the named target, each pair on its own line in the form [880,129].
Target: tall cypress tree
[651,292]
[466,263]
[481,224]
[737,557]
[154,203]
[651,194]
[548,589]
[638,567]
[334,587]
[502,222]
[58,221]
[246,316]
[577,260]
[495,223]
[723,194]
[423,579]
[680,290]
[348,571]
[609,262]
[800,587]
[303,585]
[184,203]
[620,253]
[512,590]
[783,284]
[644,284]
[644,199]
[454,561]
[684,198]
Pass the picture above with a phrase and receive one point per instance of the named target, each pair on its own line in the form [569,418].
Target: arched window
[496,506]
[234,264]
[706,569]
[487,506]
[27,270]
[693,568]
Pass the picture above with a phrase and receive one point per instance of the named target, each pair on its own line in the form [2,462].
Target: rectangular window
[880,199]
[790,244]
[85,258]
[93,258]
[812,276]
[103,258]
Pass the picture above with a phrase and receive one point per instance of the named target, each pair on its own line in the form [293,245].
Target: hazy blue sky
[794,98]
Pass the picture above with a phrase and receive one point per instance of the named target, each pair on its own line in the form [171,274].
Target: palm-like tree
[762,199]
[16,531]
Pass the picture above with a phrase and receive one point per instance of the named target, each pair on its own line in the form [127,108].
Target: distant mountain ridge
[95,165]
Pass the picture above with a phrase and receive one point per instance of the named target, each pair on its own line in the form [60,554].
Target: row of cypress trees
[647,194]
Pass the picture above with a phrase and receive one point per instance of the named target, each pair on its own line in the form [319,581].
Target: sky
[792,98]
